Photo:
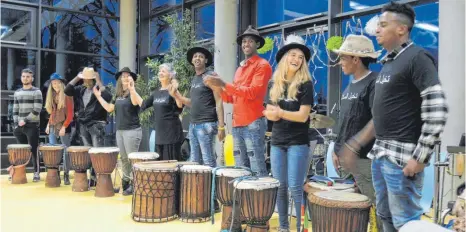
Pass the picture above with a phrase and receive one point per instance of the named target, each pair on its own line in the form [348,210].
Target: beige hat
[87,73]
[357,45]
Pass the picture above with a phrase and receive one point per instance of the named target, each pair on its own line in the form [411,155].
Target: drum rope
[11,169]
[212,196]
[238,180]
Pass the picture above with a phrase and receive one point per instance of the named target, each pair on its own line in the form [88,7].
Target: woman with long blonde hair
[61,110]
[290,98]
[128,127]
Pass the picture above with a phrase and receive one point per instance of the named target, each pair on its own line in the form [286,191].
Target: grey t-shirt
[87,96]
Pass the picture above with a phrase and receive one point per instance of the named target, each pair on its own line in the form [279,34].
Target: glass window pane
[160,35]
[160,4]
[205,21]
[94,6]
[112,8]
[350,5]
[13,61]
[276,11]
[16,25]
[76,32]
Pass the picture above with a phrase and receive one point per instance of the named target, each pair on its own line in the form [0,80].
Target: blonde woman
[61,110]
[289,106]
[167,109]
[128,128]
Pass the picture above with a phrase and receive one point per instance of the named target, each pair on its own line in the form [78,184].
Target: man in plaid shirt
[409,113]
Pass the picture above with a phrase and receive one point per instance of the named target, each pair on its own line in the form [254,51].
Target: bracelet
[221,128]
[351,148]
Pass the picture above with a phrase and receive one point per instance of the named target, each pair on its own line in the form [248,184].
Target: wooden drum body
[336,211]
[104,161]
[19,156]
[195,193]
[224,190]
[257,199]
[138,157]
[154,192]
[52,156]
[80,161]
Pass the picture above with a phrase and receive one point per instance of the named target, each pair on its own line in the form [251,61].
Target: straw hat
[291,42]
[357,45]
[251,32]
[202,50]
[88,73]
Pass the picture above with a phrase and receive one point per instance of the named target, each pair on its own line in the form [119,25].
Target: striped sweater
[27,105]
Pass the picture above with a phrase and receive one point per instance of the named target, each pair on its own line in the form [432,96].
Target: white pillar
[62,40]
[11,69]
[127,43]
[452,74]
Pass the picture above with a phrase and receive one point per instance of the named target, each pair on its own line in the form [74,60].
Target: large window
[160,35]
[276,11]
[13,61]
[161,4]
[350,5]
[16,26]
[204,17]
[94,6]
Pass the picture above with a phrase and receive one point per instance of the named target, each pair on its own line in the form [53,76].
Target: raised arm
[258,85]
[107,106]
[70,87]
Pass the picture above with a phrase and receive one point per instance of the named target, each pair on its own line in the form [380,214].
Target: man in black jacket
[92,118]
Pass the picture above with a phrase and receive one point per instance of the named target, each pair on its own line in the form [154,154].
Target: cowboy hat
[202,50]
[87,73]
[251,32]
[292,42]
[56,76]
[126,69]
[357,45]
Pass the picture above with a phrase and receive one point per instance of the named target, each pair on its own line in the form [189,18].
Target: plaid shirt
[434,112]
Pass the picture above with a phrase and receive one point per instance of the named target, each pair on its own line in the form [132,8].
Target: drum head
[150,166]
[260,183]
[51,147]
[143,155]
[78,149]
[233,172]
[105,150]
[196,168]
[339,199]
[18,146]
[336,186]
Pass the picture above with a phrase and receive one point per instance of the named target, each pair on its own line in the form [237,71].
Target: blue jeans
[397,197]
[65,140]
[202,143]
[249,146]
[289,165]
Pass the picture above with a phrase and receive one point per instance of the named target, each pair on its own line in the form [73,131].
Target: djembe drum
[19,156]
[257,201]
[52,156]
[104,161]
[224,190]
[195,192]
[137,157]
[80,161]
[337,211]
[154,191]
[312,187]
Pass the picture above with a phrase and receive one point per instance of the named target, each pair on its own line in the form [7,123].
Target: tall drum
[80,161]
[224,190]
[195,192]
[104,161]
[154,192]
[19,156]
[336,211]
[258,196]
[52,156]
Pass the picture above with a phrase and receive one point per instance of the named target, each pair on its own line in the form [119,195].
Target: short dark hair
[27,70]
[367,60]
[404,10]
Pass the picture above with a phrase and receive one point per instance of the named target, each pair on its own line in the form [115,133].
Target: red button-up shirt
[248,90]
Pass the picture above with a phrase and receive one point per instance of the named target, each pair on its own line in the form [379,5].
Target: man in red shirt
[247,93]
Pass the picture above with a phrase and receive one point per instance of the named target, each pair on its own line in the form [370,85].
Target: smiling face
[164,75]
[294,59]
[199,61]
[56,85]
[125,77]
[249,45]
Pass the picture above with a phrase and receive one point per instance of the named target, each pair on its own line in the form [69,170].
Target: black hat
[126,69]
[202,50]
[291,42]
[251,32]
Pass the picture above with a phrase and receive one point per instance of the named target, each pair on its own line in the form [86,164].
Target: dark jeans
[93,136]
[29,134]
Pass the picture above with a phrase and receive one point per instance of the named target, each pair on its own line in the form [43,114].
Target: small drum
[195,192]
[154,192]
[80,161]
[52,156]
[336,211]
[312,187]
[137,157]
[19,156]
[257,199]
[224,190]
[104,161]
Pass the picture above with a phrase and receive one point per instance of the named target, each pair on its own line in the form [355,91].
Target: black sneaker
[9,178]
[36,177]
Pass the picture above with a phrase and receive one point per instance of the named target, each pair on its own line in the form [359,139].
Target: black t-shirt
[166,116]
[126,114]
[355,111]
[287,133]
[202,101]
[397,101]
